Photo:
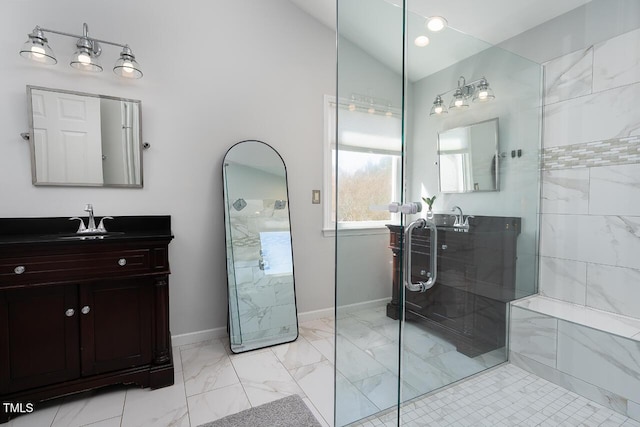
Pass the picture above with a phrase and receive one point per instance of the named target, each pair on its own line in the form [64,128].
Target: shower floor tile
[504,396]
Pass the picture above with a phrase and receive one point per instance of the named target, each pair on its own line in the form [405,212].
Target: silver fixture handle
[122,262]
[19,269]
[86,309]
[81,226]
[433,264]
[445,247]
[101,227]
[70,312]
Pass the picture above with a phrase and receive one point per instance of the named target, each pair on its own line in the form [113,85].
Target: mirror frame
[496,156]
[32,147]
[227,239]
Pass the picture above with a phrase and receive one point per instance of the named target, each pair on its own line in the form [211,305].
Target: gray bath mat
[289,411]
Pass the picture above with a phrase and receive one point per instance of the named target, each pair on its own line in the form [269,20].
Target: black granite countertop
[477,224]
[61,229]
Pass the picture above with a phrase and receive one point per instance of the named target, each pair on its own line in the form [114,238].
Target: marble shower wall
[590,209]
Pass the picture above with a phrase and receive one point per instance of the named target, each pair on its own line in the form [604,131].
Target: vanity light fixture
[438,107]
[86,56]
[370,105]
[478,90]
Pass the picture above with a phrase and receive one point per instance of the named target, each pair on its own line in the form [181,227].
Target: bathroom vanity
[79,312]
[475,281]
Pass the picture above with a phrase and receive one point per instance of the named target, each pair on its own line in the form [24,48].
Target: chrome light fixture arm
[433,256]
[85,31]
[466,88]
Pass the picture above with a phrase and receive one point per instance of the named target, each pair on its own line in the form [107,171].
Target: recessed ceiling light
[421,41]
[436,23]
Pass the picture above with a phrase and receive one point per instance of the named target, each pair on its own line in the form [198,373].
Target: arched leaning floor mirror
[262,300]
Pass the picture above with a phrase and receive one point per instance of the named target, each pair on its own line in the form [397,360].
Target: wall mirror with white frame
[468,158]
[83,139]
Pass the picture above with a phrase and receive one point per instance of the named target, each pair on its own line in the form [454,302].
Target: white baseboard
[198,336]
[210,334]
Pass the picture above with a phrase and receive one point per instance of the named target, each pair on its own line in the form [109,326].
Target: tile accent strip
[617,151]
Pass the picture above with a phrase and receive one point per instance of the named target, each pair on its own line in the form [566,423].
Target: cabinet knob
[122,262]
[19,269]
[70,312]
[444,247]
[86,309]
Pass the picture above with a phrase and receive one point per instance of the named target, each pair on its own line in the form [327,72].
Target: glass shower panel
[459,327]
[366,146]
[395,345]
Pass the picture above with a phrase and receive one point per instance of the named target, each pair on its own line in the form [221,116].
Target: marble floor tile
[326,347]
[264,378]
[351,403]
[43,415]
[382,390]
[354,362]
[296,354]
[111,422]
[164,407]
[317,383]
[360,334]
[207,367]
[90,407]
[317,329]
[216,404]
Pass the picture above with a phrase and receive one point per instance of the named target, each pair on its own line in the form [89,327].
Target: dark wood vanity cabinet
[476,280]
[81,314]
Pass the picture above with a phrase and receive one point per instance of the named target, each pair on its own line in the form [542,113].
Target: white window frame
[351,227]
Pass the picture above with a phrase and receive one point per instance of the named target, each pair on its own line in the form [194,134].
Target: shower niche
[260,278]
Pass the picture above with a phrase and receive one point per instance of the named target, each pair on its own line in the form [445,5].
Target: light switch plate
[315,197]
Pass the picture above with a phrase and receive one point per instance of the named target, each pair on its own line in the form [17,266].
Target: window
[369,167]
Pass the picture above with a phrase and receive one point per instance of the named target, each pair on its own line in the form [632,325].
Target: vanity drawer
[56,268]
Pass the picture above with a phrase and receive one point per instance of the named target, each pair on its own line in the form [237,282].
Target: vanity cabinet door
[115,324]
[38,337]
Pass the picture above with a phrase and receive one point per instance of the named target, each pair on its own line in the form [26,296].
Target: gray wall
[252,80]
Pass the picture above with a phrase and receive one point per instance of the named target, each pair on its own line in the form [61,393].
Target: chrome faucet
[459,221]
[91,223]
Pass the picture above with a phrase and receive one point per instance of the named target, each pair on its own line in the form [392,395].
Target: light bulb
[37,51]
[127,67]
[459,102]
[436,23]
[84,58]
[483,94]
[352,107]
[438,109]
[388,114]
[371,110]
[421,41]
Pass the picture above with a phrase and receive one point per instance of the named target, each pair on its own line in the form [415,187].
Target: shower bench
[591,352]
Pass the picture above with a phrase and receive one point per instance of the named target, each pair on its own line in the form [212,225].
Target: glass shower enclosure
[420,114]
